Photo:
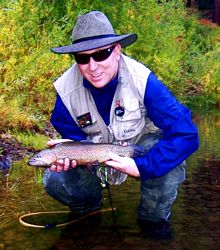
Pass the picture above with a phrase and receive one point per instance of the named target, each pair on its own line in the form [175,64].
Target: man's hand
[61,164]
[124,164]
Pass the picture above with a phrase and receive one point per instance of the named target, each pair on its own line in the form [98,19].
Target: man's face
[100,73]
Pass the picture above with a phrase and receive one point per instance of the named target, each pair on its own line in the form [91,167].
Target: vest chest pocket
[132,110]
[93,128]
[131,123]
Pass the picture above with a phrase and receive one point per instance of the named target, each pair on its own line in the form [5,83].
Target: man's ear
[118,51]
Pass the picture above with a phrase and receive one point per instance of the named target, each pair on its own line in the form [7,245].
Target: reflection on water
[195,220]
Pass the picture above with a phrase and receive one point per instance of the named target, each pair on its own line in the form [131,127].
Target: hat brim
[124,40]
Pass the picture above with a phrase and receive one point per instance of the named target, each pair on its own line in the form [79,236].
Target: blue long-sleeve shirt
[180,136]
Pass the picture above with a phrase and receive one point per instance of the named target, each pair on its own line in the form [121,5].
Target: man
[108,97]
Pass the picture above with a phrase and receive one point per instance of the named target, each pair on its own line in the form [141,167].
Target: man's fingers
[66,164]
[58,166]
[115,160]
[53,168]
[113,164]
[124,164]
[63,165]
[114,157]
[73,164]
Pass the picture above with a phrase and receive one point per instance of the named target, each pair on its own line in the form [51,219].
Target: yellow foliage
[12,117]
[28,68]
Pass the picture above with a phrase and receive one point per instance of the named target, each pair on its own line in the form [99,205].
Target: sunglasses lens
[102,54]
[82,58]
[98,56]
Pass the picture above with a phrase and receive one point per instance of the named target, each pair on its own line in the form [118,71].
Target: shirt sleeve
[180,135]
[64,123]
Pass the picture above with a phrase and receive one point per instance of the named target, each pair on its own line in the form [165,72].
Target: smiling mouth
[96,75]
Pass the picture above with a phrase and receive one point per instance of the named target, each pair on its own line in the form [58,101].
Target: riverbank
[12,148]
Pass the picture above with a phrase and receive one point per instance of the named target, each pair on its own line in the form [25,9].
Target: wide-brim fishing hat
[93,30]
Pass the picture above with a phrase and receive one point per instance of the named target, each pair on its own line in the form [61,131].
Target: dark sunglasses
[98,56]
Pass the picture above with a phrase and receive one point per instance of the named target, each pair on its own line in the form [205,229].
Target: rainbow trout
[84,153]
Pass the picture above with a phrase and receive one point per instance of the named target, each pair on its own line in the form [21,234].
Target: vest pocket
[93,128]
[132,110]
[131,123]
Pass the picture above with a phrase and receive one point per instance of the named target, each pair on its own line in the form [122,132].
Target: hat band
[93,38]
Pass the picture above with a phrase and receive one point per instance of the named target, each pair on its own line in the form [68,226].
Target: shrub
[182,52]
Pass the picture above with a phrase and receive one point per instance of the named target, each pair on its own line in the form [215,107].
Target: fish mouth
[32,162]
[36,163]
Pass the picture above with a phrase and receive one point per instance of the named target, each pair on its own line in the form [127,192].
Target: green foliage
[182,52]
[28,68]
[12,115]
[30,139]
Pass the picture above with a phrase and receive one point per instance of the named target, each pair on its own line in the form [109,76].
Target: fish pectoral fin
[91,166]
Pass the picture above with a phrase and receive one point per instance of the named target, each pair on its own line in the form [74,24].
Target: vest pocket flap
[92,127]
[132,110]
[131,104]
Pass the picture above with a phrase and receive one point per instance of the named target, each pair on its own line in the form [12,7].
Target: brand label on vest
[129,130]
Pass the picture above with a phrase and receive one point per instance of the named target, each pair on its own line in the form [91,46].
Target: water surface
[195,220]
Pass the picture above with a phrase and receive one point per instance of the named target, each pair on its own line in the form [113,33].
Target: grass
[30,139]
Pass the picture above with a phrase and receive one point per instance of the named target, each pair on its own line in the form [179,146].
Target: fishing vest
[129,92]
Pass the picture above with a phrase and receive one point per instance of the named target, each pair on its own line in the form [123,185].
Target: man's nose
[92,64]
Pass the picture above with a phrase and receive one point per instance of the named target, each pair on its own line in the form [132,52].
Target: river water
[195,221]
